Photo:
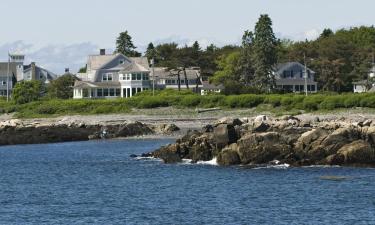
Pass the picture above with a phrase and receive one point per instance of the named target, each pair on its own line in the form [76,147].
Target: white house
[112,75]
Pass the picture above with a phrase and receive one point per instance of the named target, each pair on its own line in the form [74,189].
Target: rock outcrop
[15,132]
[263,140]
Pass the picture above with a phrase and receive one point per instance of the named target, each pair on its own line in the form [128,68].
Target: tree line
[338,58]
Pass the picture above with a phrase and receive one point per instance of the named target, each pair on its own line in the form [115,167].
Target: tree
[27,91]
[62,87]
[264,54]
[83,69]
[326,33]
[151,51]
[125,46]
[246,63]
[228,69]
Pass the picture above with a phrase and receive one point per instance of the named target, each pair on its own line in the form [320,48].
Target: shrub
[191,100]
[152,102]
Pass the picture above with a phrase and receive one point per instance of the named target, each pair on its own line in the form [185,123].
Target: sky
[60,34]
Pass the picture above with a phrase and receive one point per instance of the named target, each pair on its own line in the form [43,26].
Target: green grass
[276,103]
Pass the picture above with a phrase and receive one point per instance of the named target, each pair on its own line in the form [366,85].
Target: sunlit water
[98,183]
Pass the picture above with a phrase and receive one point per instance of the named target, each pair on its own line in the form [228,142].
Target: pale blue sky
[91,24]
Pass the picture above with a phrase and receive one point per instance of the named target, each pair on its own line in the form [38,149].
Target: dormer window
[121,62]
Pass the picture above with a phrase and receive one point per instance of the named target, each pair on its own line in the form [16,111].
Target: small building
[112,75]
[362,86]
[291,77]
[208,88]
[169,78]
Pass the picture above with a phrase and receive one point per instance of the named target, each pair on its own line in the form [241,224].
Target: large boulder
[224,134]
[357,152]
[259,148]
[229,156]
[169,154]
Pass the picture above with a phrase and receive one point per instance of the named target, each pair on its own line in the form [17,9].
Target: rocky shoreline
[286,140]
[13,132]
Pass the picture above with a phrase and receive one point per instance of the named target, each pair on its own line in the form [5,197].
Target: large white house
[112,75]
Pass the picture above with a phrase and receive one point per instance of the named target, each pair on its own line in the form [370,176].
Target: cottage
[365,85]
[291,77]
[112,75]
[211,88]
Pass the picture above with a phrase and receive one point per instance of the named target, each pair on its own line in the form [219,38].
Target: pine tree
[125,46]
[246,64]
[264,54]
[150,52]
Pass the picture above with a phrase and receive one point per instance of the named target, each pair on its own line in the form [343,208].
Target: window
[139,90]
[107,77]
[118,92]
[139,76]
[4,83]
[133,91]
[292,74]
[134,76]
[182,81]
[100,92]
[128,76]
[121,62]
[106,93]
[128,92]
[112,92]
[145,76]
[301,74]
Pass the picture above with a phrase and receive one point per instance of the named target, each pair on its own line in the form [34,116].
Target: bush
[191,100]
[27,91]
[152,102]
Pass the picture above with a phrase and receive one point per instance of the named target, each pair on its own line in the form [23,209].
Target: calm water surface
[98,183]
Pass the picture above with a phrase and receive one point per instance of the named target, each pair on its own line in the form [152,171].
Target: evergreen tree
[125,46]
[246,64]
[150,52]
[264,54]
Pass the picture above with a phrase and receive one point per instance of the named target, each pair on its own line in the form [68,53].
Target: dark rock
[224,134]
[261,127]
[133,156]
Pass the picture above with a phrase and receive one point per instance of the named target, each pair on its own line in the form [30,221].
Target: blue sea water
[97,182]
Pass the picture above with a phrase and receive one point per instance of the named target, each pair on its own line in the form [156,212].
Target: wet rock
[357,152]
[228,156]
[260,127]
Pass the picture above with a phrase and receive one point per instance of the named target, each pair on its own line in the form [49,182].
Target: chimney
[66,70]
[33,71]
[102,51]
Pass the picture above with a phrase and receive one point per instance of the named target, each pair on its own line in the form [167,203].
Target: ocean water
[97,182]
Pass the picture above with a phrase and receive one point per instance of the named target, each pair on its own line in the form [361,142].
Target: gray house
[112,75]
[34,72]
[291,77]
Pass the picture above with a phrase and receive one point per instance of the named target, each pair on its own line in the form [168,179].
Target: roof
[279,68]
[362,82]
[208,86]
[96,62]
[96,84]
[134,67]
[163,73]
[143,61]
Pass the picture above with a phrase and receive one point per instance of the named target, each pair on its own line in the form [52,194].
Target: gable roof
[281,67]
[134,67]
[96,62]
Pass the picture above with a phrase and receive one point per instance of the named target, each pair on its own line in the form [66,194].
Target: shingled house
[291,77]
[112,75]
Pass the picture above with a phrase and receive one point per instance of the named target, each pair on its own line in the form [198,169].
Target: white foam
[212,162]
[281,166]
[148,158]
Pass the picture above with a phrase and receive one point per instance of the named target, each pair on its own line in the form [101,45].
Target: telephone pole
[8,77]
[304,57]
